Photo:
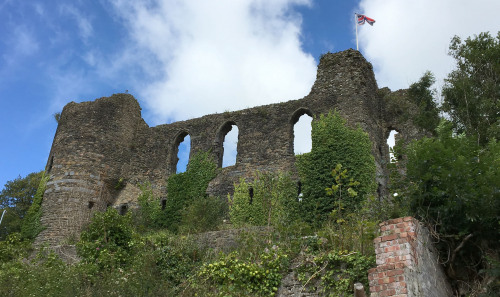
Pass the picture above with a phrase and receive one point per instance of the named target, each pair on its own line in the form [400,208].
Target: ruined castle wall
[103,150]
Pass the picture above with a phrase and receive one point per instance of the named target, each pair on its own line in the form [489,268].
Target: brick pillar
[407,263]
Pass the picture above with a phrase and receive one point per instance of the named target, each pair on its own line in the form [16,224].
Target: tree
[452,184]
[472,91]
[17,197]
[422,95]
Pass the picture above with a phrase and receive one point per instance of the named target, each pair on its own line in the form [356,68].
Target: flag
[363,18]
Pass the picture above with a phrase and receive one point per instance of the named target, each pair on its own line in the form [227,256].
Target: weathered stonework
[407,262]
[103,149]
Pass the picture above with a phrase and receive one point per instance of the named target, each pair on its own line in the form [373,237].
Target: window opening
[250,193]
[163,204]
[123,209]
[299,191]
[91,204]
[391,141]
[300,133]
[226,144]
[183,149]
[230,147]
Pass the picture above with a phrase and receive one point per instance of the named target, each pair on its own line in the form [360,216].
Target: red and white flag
[363,18]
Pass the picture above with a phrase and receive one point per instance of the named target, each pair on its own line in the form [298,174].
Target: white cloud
[24,42]
[218,55]
[84,24]
[410,37]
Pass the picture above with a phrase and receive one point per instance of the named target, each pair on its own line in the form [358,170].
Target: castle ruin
[103,150]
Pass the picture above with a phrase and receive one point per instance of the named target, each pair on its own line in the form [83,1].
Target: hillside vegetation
[325,229]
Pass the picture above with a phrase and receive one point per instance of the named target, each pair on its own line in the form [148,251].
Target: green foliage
[184,188]
[16,198]
[453,185]
[203,214]
[231,276]
[149,215]
[57,116]
[107,240]
[334,143]
[337,271]
[45,275]
[274,201]
[13,247]
[420,93]
[354,230]
[343,187]
[471,91]
[31,225]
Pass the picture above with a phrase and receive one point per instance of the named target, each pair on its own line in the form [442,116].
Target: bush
[107,240]
[229,275]
[203,214]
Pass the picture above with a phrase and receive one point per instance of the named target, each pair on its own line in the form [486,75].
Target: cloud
[410,37]
[24,42]
[84,24]
[218,55]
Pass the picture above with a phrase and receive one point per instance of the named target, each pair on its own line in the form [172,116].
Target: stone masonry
[103,150]
[407,262]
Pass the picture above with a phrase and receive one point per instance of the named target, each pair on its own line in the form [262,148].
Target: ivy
[183,188]
[270,199]
[32,225]
[333,142]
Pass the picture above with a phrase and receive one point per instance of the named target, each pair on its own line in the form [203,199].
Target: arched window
[181,152]
[300,134]
[391,141]
[227,144]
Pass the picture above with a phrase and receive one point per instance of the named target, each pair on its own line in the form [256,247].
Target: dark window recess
[163,204]
[299,188]
[123,209]
[250,193]
[91,204]
[50,164]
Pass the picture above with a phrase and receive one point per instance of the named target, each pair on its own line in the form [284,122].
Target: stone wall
[407,262]
[103,149]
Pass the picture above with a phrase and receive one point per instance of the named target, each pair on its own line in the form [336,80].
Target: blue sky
[183,59]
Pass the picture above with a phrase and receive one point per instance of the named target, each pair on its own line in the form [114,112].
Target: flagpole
[356,25]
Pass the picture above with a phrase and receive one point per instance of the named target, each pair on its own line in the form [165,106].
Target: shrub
[107,240]
[203,214]
[229,275]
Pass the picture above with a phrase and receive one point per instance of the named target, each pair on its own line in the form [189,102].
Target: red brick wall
[395,250]
[407,262]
